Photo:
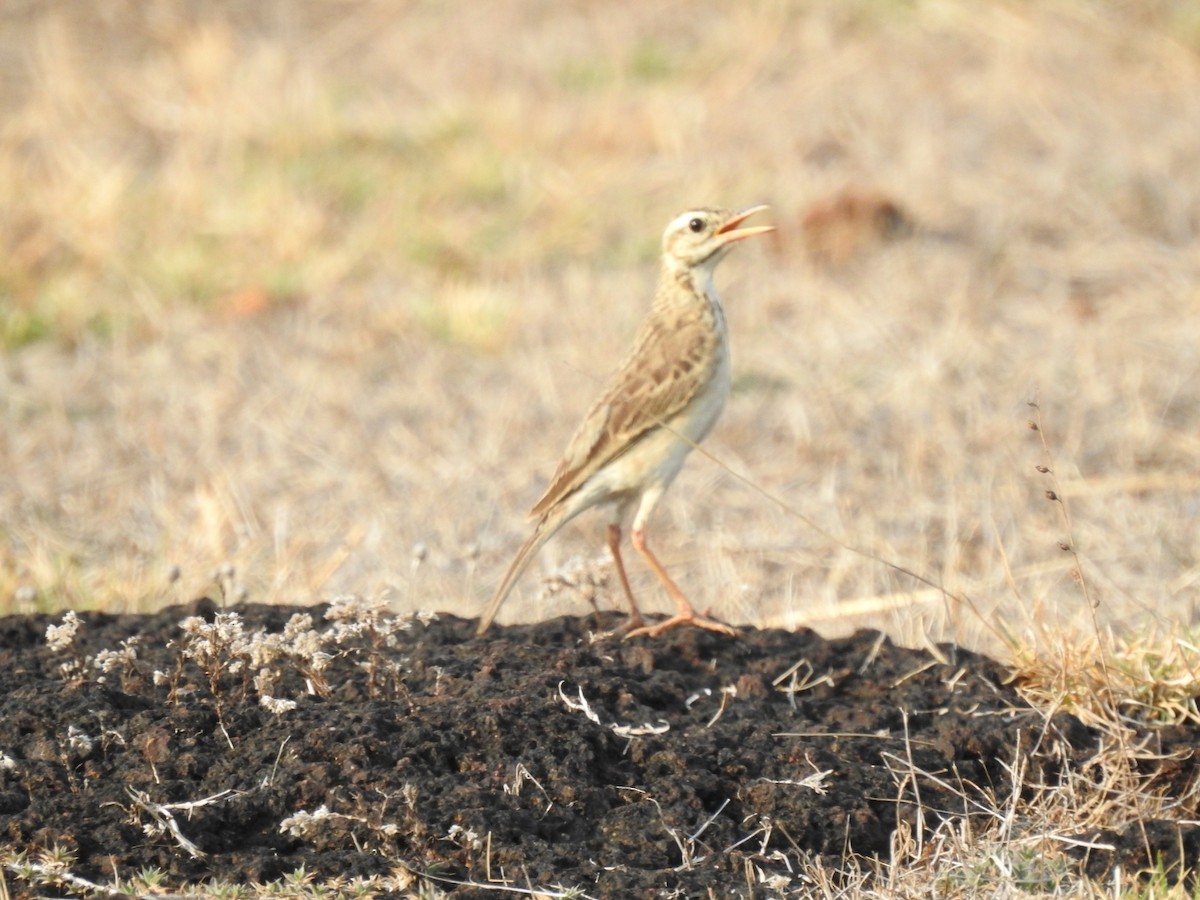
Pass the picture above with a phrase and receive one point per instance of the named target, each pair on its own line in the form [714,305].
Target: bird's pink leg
[686,615]
[614,547]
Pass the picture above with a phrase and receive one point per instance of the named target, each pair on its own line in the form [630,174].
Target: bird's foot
[690,617]
[635,622]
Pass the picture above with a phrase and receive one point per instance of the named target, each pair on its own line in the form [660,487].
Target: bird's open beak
[730,231]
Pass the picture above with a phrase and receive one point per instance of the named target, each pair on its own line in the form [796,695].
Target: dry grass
[319,291]
[316,293]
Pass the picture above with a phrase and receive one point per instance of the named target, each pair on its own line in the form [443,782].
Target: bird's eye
[697,225]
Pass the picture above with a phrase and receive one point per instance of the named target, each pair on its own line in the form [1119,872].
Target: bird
[659,404]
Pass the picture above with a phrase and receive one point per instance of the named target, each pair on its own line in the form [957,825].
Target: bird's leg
[614,547]
[686,614]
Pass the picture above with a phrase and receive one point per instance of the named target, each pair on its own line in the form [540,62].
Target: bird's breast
[696,419]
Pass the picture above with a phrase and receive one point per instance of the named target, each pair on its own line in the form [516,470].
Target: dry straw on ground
[316,292]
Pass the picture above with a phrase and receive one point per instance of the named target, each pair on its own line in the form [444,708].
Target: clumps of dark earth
[255,741]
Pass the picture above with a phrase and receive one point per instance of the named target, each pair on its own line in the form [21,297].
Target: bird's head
[699,238]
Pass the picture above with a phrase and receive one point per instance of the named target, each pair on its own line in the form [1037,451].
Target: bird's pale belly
[658,456]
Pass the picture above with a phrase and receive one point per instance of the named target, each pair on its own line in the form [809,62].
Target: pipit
[661,402]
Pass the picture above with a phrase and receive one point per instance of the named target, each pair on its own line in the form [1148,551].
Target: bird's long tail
[545,529]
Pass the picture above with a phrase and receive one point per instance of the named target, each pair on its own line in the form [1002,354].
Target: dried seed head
[60,637]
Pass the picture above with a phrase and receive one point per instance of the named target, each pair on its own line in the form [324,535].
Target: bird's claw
[688,618]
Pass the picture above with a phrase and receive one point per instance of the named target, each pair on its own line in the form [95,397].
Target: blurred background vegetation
[301,297]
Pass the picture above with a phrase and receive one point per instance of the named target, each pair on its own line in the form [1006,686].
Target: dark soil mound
[668,767]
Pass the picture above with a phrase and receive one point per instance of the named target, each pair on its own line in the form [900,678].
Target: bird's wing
[673,358]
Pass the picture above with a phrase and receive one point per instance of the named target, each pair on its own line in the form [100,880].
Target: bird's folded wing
[672,359]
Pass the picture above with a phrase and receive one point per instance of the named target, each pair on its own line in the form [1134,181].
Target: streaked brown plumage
[660,403]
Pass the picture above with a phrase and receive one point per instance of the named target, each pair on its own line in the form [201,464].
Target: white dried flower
[70,669]
[79,740]
[307,645]
[229,628]
[60,637]
[108,660]
[297,624]
[355,606]
[193,625]
[464,837]
[277,705]
[263,649]
[296,825]
[224,637]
